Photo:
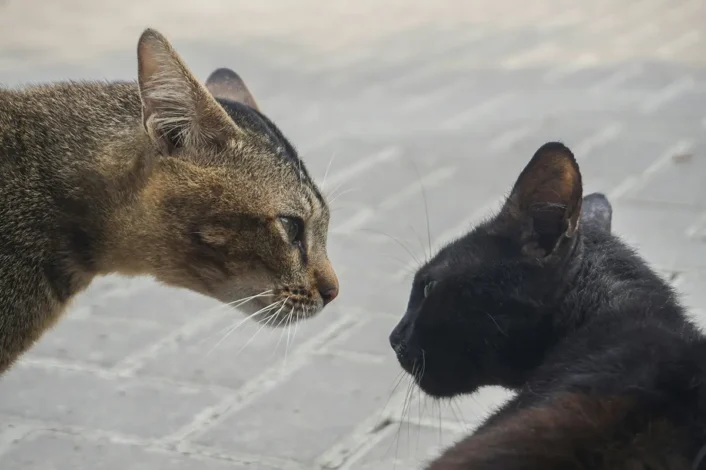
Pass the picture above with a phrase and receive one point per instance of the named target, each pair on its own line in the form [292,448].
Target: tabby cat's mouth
[284,310]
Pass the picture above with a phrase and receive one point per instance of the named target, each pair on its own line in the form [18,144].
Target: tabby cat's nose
[327,282]
[328,294]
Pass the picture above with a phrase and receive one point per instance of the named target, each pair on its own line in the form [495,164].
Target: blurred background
[452,96]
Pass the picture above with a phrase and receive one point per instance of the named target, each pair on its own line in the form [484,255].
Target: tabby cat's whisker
[233,304]
[262,310]
[279,325]
[333,199]
[328,167]
[296,324]
[330,195]
[257,332]
[289,328]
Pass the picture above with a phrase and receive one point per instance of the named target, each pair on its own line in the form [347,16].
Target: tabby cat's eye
[293,227]
[428,287]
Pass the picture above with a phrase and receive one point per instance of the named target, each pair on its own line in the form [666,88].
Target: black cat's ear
[597,212]
[177,111]
[225,84]
[545,203]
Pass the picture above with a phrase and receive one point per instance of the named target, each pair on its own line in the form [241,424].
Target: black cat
[543,299]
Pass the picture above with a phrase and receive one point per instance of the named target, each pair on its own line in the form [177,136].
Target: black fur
[544,300]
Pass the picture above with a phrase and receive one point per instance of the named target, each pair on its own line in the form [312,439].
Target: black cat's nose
[397,342]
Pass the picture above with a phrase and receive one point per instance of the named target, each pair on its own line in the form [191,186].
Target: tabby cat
[544,300]
[166,177]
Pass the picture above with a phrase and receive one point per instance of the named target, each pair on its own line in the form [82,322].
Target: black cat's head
[482,311]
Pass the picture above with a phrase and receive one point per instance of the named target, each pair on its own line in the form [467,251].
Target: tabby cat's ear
[177,111]
[225,84]
[597,212]
[546,200]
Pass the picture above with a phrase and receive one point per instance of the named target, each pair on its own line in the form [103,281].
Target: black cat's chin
[438,384]
[440,389]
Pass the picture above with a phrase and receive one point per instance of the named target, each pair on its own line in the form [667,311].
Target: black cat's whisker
[421,242]
[426,205]
[457,412]
[395,441]
[405,408]
[419,394]
[395,239]
[242,322]
[441,429]
[496,324]
[396,383]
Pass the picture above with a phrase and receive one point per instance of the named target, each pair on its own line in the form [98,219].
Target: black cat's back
[543,299]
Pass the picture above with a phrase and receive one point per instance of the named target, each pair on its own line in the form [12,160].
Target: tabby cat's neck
[82,146]
[81,123]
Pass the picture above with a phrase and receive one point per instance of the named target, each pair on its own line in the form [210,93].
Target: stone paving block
[370,335]
[376,292]
[468,411]
[11,432]
[329,386]
[69,452]
[233,350]
[468,89]
[623,159]
[448,204]
[359,256]
[407,447]
[103,343]
[169,307]
[678,181]
[659,234]
[91,401]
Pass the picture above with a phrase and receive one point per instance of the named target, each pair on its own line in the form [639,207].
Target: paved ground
[457,94]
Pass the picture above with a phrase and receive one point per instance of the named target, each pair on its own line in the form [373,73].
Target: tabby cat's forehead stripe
[256,123]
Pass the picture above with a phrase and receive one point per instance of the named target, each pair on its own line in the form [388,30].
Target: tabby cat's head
[228,209]
[485,309]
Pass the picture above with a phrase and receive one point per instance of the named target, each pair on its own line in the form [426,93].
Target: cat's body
[609,371]
[623,387]
[193,186]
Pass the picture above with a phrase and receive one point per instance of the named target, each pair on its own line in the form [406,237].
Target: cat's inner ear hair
[546,199]
[597,212]
[227,85]
[177,110]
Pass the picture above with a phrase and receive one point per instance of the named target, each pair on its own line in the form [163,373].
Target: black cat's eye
[428,287]
[293,227]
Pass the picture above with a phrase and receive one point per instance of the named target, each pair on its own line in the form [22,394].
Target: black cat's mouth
[428,377]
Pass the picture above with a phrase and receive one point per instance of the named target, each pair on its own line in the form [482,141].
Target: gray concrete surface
[457,94]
